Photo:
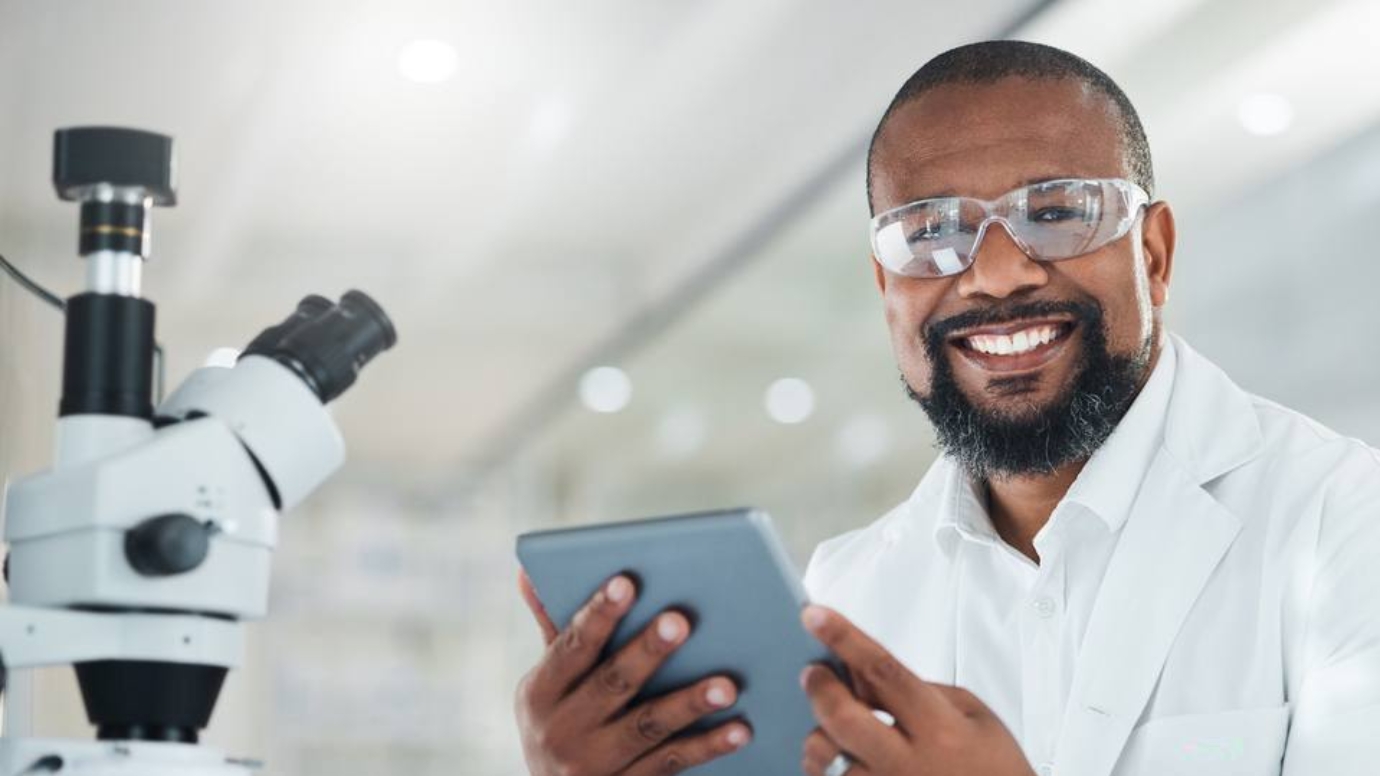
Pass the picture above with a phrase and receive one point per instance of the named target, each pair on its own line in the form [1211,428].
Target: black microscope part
[121,227]
[311,306]
[107,358]
[327,346]
[167,544]
[117,156]
[144,700]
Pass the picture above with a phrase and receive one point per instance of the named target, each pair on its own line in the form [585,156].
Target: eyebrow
[950,193]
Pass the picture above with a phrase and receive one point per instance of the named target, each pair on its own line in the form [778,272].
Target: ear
[1157,243]
[880,275]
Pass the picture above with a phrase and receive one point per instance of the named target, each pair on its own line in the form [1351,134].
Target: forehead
[982,140]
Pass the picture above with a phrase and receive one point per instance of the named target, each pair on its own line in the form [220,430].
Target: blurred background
[624,244]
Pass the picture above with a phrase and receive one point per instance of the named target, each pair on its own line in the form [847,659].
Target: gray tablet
[728,572]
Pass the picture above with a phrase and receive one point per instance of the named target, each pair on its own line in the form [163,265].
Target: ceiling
[673,188]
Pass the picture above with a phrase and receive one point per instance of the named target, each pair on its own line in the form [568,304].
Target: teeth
[1022,341]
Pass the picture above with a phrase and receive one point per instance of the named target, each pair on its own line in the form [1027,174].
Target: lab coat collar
[1211,427]
[1108,483]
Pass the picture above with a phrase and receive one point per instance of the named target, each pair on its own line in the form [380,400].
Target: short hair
[993,60]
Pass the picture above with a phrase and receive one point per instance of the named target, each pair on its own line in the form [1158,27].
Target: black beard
[1071,428]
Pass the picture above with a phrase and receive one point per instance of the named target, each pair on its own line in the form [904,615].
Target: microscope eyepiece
[307,310]
[326,344]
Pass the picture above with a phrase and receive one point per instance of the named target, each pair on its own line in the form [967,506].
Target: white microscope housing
[138,554]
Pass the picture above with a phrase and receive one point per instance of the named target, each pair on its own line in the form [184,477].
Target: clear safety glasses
[1051,220]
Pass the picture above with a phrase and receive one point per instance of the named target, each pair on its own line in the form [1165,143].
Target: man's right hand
[573,711]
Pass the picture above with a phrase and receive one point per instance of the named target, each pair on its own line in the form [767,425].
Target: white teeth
[1007,344]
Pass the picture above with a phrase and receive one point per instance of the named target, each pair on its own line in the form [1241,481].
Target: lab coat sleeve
[1335,719]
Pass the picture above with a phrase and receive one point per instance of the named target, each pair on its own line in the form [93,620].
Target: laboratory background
[624,244]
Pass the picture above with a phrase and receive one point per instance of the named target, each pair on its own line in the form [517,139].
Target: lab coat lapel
[1173,539]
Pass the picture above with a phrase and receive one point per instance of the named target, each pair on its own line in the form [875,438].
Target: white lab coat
[1237,629]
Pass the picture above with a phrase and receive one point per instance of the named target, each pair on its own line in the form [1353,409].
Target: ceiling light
[790,400]
[428,61]
[605,389]
[1265,114]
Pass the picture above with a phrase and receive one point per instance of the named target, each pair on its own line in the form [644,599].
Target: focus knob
[167,544]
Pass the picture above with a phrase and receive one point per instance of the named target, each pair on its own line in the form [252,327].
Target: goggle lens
[1050,221]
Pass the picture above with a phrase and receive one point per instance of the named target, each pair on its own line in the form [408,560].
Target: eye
[1054,215]
[926,233]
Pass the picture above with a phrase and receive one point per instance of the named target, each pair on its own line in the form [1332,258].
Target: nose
[1000,268]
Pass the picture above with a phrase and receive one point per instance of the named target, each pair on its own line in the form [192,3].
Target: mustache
[935,334]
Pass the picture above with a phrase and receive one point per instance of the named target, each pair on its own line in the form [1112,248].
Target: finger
[854,769]
[613,683]
[642,728]
[675,756]
[577,647]
[529,594]
[847,721]
[818,752]
[964,701]
[877,674]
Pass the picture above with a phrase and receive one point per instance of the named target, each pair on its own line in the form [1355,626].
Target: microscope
[137,557]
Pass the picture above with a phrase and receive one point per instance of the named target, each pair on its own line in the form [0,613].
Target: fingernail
[668,627]
[716,695]
[619,589]
[737,735]
[805,676]
[814,617]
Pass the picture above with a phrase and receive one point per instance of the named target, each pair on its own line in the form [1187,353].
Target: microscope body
[139,554]
[87,533]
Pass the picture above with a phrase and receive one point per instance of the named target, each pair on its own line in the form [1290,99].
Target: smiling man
[1120,564]
[1127,563]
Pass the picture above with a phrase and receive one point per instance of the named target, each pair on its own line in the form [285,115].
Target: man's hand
[572,709]
[940,730]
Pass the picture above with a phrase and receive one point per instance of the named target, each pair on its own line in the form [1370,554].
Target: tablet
[728,572]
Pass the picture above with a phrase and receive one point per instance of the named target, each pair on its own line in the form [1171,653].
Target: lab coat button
[1044,769]
[1044,606]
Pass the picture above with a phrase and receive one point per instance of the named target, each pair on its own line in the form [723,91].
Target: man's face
[983,141]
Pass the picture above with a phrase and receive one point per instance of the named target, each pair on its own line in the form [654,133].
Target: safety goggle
[1050,220]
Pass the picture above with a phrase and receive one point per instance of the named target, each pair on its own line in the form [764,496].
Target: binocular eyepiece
[326,343]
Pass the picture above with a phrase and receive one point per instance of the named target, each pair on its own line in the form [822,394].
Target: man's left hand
[939,729]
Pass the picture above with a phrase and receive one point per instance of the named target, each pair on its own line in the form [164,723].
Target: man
[1121,564]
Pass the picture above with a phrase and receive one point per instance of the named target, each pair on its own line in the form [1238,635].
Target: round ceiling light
[605,389]
[790,400]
